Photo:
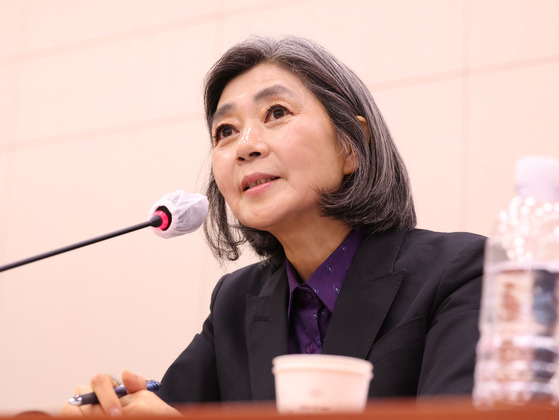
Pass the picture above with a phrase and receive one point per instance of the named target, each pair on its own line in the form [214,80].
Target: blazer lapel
[366,296]
[266,332]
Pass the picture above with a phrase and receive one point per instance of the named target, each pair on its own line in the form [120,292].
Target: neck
[307,248]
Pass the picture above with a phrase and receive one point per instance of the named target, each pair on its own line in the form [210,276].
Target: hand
[109,403]
[139,400]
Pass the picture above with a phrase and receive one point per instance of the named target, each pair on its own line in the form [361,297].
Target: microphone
[180,213]
[173,215]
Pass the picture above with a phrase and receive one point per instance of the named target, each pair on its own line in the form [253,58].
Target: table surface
[389,409]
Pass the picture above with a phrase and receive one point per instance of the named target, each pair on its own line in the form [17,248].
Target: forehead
[252,81]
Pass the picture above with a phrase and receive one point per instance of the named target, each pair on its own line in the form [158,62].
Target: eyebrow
[260,96]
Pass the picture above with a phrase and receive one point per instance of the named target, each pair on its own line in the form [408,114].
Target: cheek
[320,162]
[218,171]
[223,174]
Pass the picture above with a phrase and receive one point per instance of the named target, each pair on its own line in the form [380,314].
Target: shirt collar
[326,281]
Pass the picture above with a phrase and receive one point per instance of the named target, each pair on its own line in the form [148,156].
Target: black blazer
[409,304]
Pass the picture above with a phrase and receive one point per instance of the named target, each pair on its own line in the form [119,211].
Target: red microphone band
[164,219]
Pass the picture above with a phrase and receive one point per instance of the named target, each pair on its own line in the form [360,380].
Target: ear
[351,163]
[351,160]
[365,127]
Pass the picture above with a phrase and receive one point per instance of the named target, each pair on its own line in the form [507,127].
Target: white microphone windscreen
[188,212]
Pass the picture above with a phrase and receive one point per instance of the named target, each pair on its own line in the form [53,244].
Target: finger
[74,410]
[70,410]
[83,389]
[133,382]
[103,386]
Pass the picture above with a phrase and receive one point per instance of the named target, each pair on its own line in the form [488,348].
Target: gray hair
[375,198]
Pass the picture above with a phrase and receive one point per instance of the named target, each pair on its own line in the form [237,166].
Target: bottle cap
[538,176]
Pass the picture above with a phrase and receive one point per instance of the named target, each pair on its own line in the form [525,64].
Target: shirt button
[310,348]
[329,269]
[336,290]
[344,248]
[315,315]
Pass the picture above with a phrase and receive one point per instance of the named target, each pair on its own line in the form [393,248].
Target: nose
[251,145]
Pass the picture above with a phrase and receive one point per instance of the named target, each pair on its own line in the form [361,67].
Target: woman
[305,162]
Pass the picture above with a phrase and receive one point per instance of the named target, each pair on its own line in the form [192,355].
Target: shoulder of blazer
[436,248]
[255,279]
[445,238]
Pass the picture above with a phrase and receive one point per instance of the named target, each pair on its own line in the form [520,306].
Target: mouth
[248,184]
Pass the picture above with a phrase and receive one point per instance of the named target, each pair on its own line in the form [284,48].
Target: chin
[257,224]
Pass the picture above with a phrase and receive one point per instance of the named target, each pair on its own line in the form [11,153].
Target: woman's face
[274,148]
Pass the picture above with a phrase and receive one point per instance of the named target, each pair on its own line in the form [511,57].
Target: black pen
[120,391]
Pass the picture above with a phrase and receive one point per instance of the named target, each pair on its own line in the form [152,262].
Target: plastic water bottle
[517,354]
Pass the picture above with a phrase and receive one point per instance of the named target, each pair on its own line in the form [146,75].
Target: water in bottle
[517,354]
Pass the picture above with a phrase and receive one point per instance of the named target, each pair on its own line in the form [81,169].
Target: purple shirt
[311,303]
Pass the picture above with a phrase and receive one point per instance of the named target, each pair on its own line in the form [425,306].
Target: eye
[222,131]
[275,112]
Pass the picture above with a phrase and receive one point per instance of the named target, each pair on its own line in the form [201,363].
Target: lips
[255,180]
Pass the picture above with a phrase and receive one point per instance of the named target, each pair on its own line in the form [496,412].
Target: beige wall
[100,115]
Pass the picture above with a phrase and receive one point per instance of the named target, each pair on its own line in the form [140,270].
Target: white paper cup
[321,383]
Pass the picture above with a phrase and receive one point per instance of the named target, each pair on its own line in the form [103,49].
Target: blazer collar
[366,296]
[266,331]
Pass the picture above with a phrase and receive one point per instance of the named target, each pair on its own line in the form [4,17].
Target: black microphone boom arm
[155,221]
